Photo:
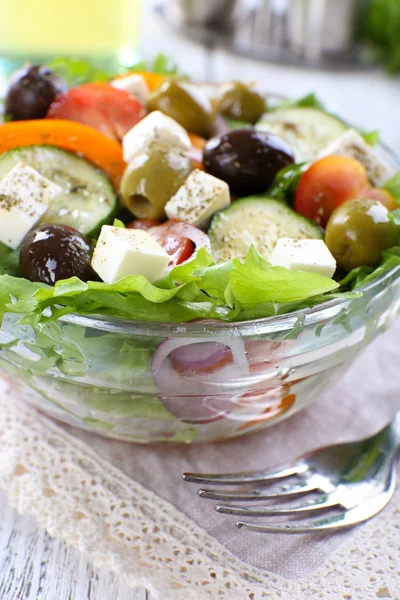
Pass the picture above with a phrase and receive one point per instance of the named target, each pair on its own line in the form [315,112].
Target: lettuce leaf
[363,275]
[9,261]
[285,182]
[371,137]
[392,185]
[76,71]
[256,282]
[308,101]
[199,289]
[394,216]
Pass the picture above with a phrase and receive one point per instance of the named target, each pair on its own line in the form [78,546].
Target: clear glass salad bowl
[194,382]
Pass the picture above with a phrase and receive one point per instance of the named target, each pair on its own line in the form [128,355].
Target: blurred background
[346,51]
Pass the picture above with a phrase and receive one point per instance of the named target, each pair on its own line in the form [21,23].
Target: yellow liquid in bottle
[94,29]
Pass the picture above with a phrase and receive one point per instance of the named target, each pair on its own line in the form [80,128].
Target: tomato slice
[173,237]
[109,110]
[144,224]
[383,196]
[327,184]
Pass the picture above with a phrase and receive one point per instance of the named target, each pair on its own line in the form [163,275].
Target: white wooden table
[32,565]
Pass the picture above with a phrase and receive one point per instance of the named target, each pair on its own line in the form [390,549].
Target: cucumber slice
[88,199]
[257,221]
[306,130]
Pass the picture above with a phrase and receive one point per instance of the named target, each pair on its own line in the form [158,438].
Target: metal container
[319,27]
[304,32]
[204,13]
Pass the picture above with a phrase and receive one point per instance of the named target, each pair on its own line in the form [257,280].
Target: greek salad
[150,196]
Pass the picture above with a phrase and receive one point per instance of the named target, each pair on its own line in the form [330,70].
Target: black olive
[247,159]
[53,252]
[31,91]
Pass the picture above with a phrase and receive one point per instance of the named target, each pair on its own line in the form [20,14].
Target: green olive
[357,233]
[152,177]
[241,102]
[185,102]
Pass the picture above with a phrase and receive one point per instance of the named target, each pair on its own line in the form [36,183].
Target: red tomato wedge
[111,111]
[173,236]
[326,185]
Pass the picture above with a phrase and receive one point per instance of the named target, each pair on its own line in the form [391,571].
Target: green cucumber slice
[88,199]
[306,130]
[257,221]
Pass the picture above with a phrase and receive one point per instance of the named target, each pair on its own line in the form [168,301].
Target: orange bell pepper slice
[100,150]
[276,409]
[197,141]
[153,80]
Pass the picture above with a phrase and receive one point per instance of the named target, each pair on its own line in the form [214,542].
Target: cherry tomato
[383,196]
[111,111]
[172,236]
[327,184]
[144,224]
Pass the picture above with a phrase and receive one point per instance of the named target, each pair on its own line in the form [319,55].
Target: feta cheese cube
[312,256]
[353,145]
[155,127]
[24,199]
[121,252]
[198,199]
[134,84]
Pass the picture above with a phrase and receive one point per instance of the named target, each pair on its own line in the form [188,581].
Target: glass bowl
[192,382]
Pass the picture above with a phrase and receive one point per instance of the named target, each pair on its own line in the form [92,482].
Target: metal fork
[351,482]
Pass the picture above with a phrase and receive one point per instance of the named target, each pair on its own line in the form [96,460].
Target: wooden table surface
[34,566]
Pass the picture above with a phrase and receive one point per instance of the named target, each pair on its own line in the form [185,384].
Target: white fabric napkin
[360,403]
[147,540]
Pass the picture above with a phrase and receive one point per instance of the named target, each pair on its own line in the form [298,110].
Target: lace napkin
[126,505]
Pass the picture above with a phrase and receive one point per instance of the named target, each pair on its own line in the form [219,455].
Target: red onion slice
[193,377]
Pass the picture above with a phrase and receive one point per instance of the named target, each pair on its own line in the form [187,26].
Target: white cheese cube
[134,84]
[121,252]
[198,199]
[312,256]
[155,127]
[24,199]
[353,145]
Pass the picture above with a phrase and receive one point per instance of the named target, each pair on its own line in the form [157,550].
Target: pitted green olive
[357,233]
[185,102]
[152,177]
[239,101]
